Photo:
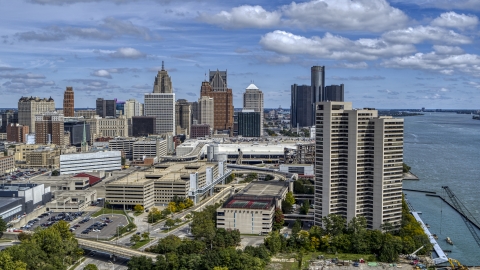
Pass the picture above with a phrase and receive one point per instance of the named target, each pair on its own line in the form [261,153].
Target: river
[444,149]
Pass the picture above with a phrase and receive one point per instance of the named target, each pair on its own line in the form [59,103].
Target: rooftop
[248,204]
[265,188]
[252,87]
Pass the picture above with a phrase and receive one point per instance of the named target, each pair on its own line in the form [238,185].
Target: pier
[456,209]
[442,258]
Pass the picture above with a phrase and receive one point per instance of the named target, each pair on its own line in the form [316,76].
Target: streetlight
[118,231]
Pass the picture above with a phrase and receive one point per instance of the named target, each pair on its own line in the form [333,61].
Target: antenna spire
[163,66]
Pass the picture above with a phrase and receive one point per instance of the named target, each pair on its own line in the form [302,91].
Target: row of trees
[51,248]
[177,204]
[303,186]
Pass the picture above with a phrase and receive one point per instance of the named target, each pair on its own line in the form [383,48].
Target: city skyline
[388,54]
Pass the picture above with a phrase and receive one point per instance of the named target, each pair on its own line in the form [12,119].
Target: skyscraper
[253,100]
[195,112]
[183,116]
[206,111]
[334,93]
[49,128]
[222,96]
[301,106]
[69,103]
[162,107]
[358,164]
[318,83]
[16,133]
[249,123]
[106,108]
[28,107]
[163,82]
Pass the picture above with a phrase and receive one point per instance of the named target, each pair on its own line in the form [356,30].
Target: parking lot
[88,229]
[21,175]
[48,219]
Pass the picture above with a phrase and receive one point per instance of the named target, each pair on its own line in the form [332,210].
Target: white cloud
[445,64]
[243,17]
[333,47]
[127,53]
[356,65]
[128,28]
[101,73]
[455,20]
[446,4]
[419,34]
[441,49]
[362,15]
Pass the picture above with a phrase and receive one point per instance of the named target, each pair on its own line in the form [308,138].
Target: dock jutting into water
[441,255]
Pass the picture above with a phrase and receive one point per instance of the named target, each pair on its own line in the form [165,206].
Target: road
[103,262]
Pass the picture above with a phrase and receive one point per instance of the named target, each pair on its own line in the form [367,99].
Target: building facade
[7,164]
[28,107]
[69,103]
[162,107]
[106,108]
[90,162]
[87,114]
[249,123]
[334,93]
[253,100]
[76,130]
[125,145]
[200,131]
[17,133]
[358,164]
[49,128]
[142,126]
[222,96]
[183,117]
[163,82]
[195,112]
[132,108]
[300,106]
[8,117]
[108,127]
[206,111]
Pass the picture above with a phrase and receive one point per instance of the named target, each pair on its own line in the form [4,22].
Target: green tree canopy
[289,198]
[90,267]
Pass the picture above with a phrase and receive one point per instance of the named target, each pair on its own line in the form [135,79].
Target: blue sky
[389,54]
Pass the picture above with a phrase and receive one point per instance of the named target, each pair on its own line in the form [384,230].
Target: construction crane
[459,266]
[413,256]
[458,205]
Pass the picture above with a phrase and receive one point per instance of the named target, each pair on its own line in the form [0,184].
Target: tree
[135,238]
[145,235]
[289,198]
[286,207]
[170,223]
[220,268]
[141,263]
[123,161]
[3,226]
[333,224]
[154,215]
[305,207]
[90,267]
[297,226]
[188,203]
[7,263]
[172,207]
[278,219]
[55,173]
[406,168]
[138,208]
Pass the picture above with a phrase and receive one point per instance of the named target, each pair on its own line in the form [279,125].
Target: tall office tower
[28,107]
[253,100]
[334,93]
[142,126]
[69,103]
[133,108]
[162,107]
[8,117]
[301,106]
[222,96]
[49,128]
[119,108]
[17,133]
[183,116]
[163,82]
[206,111]
[358,164]
[249,123]
[195,112]
[318,86]
[106,108]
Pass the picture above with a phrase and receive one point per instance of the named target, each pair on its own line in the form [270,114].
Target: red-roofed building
[91,178]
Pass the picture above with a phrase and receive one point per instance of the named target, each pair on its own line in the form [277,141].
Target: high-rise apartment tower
[28,107]
[301,106]
[358,164]
[69,103]
[49,128]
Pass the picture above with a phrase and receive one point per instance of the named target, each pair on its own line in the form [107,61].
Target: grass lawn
[107,211]
[137,213]
[141,243]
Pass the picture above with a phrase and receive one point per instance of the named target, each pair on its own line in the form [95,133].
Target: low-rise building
[128,192]
[300,169]
[72,201]
[200,131]
[7,164]
[149,148]
[32,195]
[186,147]
[125,145]
[90,162]
[108,127]
[44,157]
[62,182]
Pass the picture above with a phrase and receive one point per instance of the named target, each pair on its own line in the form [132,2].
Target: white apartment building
[358,164]
[162,106]
[253,100]
[149,148]
[90,162]
[206,111]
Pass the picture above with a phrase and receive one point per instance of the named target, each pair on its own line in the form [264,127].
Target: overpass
[307,217]
[113,249]
[286,176]
[194,155]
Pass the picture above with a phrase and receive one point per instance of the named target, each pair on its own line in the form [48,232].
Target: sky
[388,54]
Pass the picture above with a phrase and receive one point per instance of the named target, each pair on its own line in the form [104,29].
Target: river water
[444,149]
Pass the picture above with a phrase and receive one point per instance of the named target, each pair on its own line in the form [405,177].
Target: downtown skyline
[395,54]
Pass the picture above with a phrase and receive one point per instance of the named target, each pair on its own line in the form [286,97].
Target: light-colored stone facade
[28,107]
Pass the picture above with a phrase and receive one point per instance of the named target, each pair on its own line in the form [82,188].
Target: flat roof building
[90,162]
